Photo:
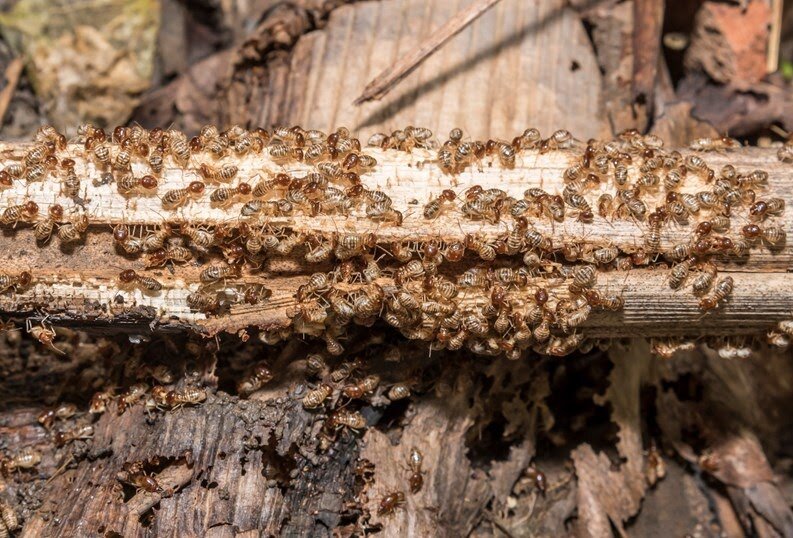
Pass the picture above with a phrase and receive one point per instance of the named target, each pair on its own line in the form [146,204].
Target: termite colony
[492,293]
[339,392]
[156,389]
[144,382]
[150,388]
[154,386]
[533,292]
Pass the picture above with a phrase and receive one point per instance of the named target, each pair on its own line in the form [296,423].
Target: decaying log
[78,283]
[262,464]
[233,466]
[298,458]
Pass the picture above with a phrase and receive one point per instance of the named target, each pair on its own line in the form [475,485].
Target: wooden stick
[775,36]
[390,77]
[12,74]
[758,303]
[79,284]
[410,179]
[648,17]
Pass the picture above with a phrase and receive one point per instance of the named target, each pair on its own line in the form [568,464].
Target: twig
[390,77]
[779,130]
[648,17]
[12,74]
[60,469]
[775,36]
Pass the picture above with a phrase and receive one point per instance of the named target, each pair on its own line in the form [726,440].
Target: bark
[266,465]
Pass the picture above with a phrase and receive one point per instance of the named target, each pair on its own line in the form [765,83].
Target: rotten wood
[84,288]
[257,465]
[234,466]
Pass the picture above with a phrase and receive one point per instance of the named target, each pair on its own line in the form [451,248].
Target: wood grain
[410,179]
[72,287]
[519,64]
[389,78]
[235,462]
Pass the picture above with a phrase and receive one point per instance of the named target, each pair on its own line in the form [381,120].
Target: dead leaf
[88,61]
[736,111]
[729,42]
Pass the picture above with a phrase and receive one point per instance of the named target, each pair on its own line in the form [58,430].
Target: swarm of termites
[523,289]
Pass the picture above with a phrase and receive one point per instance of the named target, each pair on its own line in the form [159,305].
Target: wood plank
[511,68]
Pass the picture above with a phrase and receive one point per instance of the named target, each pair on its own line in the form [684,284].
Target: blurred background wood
[520,64]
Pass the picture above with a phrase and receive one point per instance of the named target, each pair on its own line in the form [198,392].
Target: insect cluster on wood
[338,389]
[520,289]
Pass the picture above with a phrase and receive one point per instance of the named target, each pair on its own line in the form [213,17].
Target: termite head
[659,216]
[120,233]
[592,297]
[448,195]
[195,144]
[119,133]
[25,279]
[541,296]
[724,243]
[702,246]
[148,182]
[31,208]
[56,211]
[473,192]
[751,231]
[355,191]
[707,303]
[704,228]
[455,252]
[430,250]
[158,257]
[127,275]
[498,296]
